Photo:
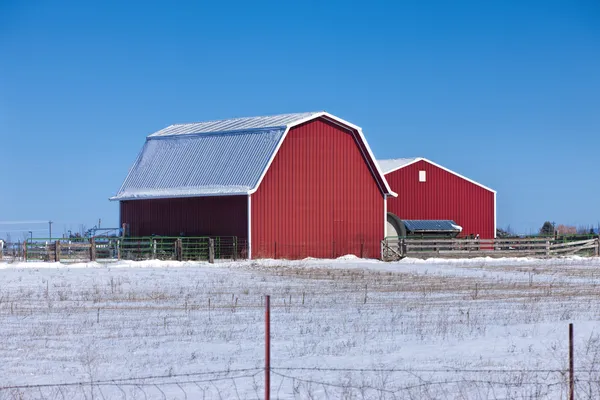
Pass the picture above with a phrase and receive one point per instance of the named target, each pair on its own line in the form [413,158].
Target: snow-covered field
[345,328]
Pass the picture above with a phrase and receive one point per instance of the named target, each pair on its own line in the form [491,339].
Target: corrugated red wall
[195,216]
[319,198]
[443,196]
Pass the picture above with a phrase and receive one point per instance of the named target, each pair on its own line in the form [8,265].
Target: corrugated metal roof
[420,225]
[394,163]
[234,124]
[200,165]
[215,157]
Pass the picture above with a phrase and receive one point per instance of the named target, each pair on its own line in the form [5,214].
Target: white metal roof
[216,158]
[234,124]
[394,164]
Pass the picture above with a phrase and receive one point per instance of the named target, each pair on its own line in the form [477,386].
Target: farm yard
[344,328]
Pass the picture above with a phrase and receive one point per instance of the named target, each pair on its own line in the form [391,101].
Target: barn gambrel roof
[217,158]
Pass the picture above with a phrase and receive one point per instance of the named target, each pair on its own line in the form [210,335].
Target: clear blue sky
[505,92]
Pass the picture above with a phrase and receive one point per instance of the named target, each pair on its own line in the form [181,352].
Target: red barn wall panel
[193,216]
[319,198]
[442,196]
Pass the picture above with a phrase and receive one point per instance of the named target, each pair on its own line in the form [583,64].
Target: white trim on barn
[249,241]
[385,216]
[386,189]
[495,216]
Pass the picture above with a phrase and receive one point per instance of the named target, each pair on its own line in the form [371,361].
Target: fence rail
[394,248]
[126,248]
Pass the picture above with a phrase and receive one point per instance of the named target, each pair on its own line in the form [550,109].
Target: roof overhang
[188,192]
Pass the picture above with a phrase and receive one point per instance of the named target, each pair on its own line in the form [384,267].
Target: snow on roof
[226,157]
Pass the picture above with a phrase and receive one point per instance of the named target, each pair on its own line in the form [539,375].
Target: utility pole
[50,229]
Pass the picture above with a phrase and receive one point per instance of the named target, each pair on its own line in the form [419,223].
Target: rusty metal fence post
[267,347]
[571,369]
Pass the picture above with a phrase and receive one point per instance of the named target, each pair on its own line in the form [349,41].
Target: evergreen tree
[547,228]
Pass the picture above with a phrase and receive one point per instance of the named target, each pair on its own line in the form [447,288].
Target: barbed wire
[224,383]
[126,381]
[424,370]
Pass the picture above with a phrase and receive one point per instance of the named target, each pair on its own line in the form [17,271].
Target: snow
[342,328]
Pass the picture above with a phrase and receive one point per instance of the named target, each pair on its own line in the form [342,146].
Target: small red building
[428,191]
[291,186]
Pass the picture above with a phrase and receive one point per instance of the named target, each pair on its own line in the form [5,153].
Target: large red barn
[292,186]
[428,191]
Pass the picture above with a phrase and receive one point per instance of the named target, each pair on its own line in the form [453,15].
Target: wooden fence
[397,248]
[127,248]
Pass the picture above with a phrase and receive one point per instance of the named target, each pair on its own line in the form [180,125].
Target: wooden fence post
[57,251]
[154,249]
[547,248]
[119,249]
[211,250]
[92,249]
[178,250]
[597,250]
[25,250]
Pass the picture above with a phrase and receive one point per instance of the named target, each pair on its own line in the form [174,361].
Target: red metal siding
[194,216]
[443,196]
[319,198]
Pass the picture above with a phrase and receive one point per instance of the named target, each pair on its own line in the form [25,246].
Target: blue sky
[504,92]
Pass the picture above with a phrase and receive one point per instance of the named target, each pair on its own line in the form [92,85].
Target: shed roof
[423,225]
[393,164]
[216,158]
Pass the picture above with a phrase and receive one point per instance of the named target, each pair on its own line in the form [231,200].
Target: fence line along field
[344,328]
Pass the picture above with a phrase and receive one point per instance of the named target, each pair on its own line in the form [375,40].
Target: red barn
[292,186]
[428,191]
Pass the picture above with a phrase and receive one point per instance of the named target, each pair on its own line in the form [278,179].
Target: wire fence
[326,383]
[113,307]
[109,248]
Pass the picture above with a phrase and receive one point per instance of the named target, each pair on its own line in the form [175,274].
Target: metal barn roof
[226,157]
[203,165]
[395,163]
[422,225]
[234,124]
